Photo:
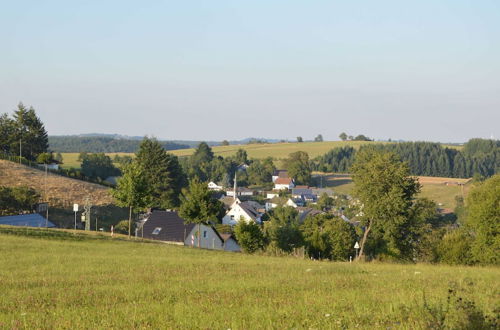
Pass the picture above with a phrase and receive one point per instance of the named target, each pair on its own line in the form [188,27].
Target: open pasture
[442,190]
[68,283]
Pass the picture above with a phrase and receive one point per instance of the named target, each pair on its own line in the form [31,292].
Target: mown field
[259,151]
[441,190]
[68,283]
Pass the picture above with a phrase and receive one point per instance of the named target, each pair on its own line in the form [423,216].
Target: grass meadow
[434,188]
[53,279]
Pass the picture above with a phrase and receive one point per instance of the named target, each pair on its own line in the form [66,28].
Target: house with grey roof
[247,211]
[169,227]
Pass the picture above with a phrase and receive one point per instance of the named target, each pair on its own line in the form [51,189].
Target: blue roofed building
[26,220]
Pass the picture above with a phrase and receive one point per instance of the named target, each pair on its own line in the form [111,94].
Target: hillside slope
[61,193]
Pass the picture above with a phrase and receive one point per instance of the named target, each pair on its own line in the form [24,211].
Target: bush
[455,248]
[122,227]
[249,236]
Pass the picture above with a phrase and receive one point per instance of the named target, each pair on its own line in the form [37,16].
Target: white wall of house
[214,186]
[208,238]
[271,195]
[283,186]
[234,215]
[231,245]
[291,203]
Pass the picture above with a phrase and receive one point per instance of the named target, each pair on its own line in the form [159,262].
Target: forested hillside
[102,144]
[478,157]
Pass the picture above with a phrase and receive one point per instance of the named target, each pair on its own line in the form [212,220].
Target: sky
[422,70]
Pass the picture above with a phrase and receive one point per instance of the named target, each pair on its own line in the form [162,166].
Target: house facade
[283,183]
[246,211]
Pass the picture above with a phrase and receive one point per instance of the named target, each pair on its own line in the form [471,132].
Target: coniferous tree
[163,173]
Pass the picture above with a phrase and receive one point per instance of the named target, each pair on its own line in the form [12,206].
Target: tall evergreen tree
[31,136]
[163,173]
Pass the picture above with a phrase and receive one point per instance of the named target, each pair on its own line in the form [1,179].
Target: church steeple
[235,187]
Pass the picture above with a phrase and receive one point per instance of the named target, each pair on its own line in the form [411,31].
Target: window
[156,231]
[205,234]
[232,217]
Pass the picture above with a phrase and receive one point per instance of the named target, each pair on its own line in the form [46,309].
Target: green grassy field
[63,282]
[432,188]
[275,150]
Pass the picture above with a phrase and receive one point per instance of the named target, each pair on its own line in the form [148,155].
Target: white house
[213,186]
[275,202]
[210,239]
[248,211]
[283,183]
[279,174]
[240,191]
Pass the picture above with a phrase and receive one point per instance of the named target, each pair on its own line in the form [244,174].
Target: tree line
[97,144]
[478,157]
[23,134]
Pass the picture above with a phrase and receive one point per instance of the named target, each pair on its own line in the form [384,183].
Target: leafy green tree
[45,158]
[361,137]
[224,143]
[59,157]
[318,138]
[298,167]
[385,189]
[198,205]
[17,199]
[202,154]
[299,139]
[241,156]
[483,220]
[98,166]
[343,136]
[249,236]
[163,173]
[325,202]
[260,172]
[282,229]
[132,190]
[455,248]
[328,237]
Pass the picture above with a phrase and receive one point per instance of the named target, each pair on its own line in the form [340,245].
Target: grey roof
[320,191]
[26,220]
[173,228]
[301,191]
[250,210]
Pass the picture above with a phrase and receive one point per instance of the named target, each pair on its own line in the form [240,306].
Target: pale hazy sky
[414,70]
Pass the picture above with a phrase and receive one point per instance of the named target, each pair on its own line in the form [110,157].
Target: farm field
[63,282]
[275,150]
[442,190]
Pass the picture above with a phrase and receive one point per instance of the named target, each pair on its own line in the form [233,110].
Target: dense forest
[96,144]
[478,157]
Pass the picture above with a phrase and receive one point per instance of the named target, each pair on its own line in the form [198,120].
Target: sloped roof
[173,228]
[26,220]
[281,173]
[301,191]
[250,210]
[281,180]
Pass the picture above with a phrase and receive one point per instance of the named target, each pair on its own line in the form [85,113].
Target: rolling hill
[61,193]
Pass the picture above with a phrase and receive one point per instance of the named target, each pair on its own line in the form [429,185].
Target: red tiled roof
[283,181]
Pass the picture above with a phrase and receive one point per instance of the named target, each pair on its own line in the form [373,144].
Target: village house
[169,227]
[283,183]
[279,174]
[246,211]
[240,192]
[213,186]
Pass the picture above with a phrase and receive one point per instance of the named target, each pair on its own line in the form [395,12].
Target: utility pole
[87,207]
